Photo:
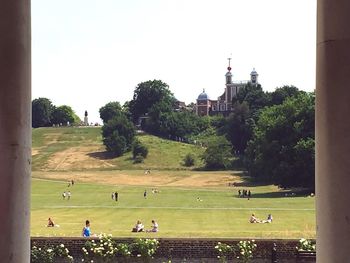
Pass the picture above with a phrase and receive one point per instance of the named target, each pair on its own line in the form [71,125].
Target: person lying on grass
[269,219]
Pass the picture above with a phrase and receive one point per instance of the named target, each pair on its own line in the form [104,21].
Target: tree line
[269,134]
[45,114]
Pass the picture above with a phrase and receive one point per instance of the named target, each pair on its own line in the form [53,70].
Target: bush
[189,160]
[145,248]
[245,250]
[139,159]
[49,254]
[224,251]
[306,245]
[102,250]
[138,149]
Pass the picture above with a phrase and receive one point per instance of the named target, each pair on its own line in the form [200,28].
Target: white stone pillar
[15,130]
[333,131]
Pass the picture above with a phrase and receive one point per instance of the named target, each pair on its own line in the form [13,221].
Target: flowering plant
[306,245]
[123,250]
[102,250]
[145,248]
[224,251]
[48,254]
[245,250]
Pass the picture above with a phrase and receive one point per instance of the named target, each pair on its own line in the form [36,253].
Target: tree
[218,154]
[239,127]
[255,98]
[189,160]
[110,110]
[281,94]
[282,148]
[42,109]
[147,94]
[64,114]
[139,149]
[118,135]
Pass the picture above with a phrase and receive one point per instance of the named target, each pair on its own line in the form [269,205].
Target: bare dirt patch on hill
[76,157]
[138,177]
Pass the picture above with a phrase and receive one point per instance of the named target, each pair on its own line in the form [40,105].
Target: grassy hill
[75,149]
[190,203]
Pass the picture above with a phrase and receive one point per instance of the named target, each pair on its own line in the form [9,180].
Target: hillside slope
[75,149]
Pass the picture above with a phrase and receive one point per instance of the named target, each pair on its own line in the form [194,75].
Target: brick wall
[189,248]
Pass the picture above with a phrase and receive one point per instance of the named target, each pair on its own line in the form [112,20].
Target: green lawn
[179,214]
[60,154]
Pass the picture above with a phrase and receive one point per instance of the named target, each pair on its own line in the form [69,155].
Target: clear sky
[86,53]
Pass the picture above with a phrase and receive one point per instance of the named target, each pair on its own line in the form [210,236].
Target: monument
[86,120]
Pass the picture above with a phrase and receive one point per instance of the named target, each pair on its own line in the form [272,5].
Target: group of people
[68,194]
[115,196]
[244,193]
[254,219]
[139,227]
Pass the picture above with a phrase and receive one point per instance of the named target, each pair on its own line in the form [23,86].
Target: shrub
[224,251]
[145,248]
[138,149]
[306,245]
[245,250]
[139,159]
[48,254]
[189,160]
[102,250]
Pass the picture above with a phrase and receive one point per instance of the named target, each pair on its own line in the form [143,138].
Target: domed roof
[254,72]
[228,73]
[203,96]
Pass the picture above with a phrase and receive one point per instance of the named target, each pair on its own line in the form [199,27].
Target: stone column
[15,130]
[333,131]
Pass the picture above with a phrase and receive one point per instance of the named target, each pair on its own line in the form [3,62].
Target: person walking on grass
[145,194]
[116,196]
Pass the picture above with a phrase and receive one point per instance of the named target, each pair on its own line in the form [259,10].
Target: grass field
[62,154]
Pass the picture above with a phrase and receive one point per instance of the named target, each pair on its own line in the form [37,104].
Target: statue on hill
[86,120]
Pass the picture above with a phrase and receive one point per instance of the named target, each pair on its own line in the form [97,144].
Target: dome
[254,72]
[203,96]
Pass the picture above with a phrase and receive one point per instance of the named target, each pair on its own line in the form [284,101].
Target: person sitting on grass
[50,223]
[138,227]
[86,230]
[253,219]
[154,227]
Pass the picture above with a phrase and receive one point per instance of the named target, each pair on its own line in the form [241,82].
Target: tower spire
[229,64]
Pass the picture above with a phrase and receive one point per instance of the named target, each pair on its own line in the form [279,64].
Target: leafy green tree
[42,109]
[149,93]
[64,114]
[189,160]
[282,148]
[139,149]
[239,127]
[255,98]
[118,135]
[218,154]
[281,94]
[110,110]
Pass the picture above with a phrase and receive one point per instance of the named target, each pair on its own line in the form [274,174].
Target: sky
[86,53]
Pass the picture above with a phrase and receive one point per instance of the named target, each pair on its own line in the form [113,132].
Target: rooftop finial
[229,64]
